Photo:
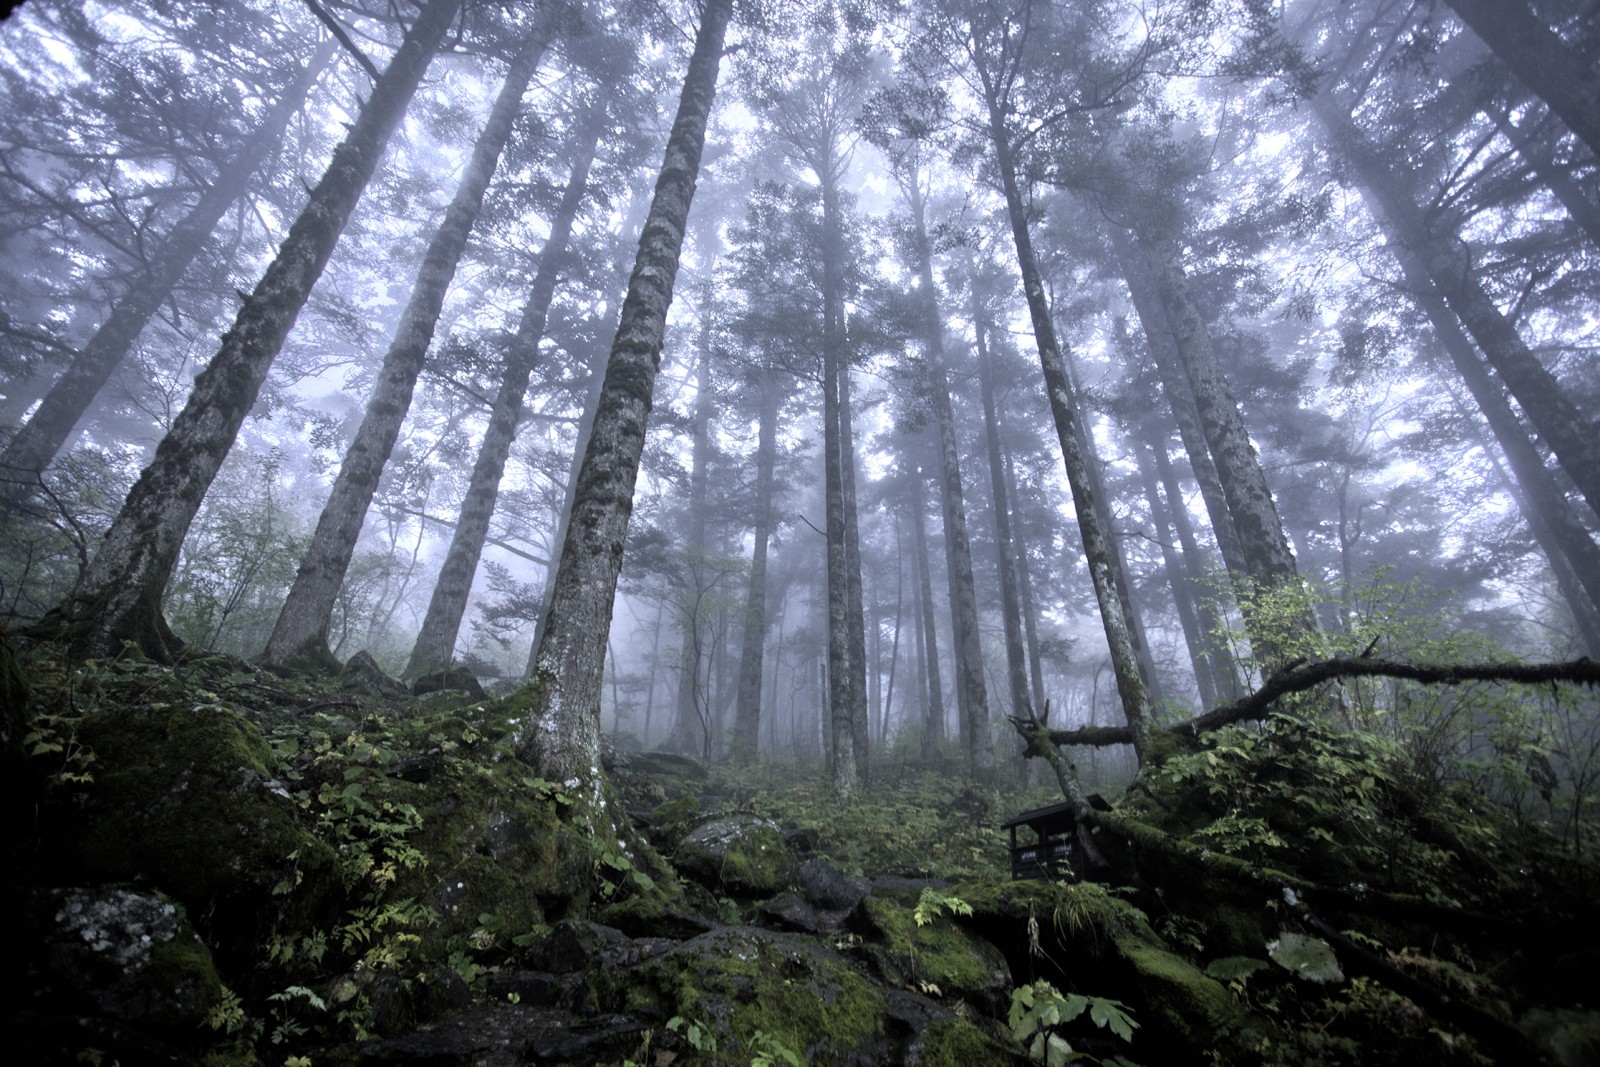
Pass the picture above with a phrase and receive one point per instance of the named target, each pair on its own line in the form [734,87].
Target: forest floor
[210,863]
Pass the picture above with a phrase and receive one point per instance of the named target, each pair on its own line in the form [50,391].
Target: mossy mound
[740,982]
[938,957]
[186,798]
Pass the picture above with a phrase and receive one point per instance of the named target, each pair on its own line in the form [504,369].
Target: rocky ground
[213,864]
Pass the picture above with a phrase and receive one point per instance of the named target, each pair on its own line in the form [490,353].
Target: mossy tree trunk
[1118,627]
[927,631]
[119,596]
[561,734]
[302,626]
[436,641]
[36,444]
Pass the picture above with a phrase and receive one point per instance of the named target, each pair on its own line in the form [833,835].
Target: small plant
[696,1033]
[767,1050]
[1038,1009]
[933,904]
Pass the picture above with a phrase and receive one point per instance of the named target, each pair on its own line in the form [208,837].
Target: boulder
[740,855]
[457,679]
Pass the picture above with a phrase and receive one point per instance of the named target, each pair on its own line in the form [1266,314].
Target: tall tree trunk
[36,444]
[688,728]
[561,738]
[302,626]
[927,631]
[1177,579]
[1030,614]
[1180,397]
[841,746]
[1532,144]
[1446,261]
[1207,595]
[1075,448]
[1551,67]
[119,596]
[977,740]
[747,716]
[436,641]
[1010,592]
[855,607]
[1269,564]
[894,644]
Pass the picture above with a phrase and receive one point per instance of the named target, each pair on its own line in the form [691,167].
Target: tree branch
[343,38]
[1297,679]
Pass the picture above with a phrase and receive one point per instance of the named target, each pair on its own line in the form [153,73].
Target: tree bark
[561,733]
[435,645]
[37,442]
[119,596]
[927,632]
[1446,261]
[688,728]
[1075,446]
[1177,580]
[1180,397]
[302,626]
[1541,60]
[842,755]
[747,716]
[1534,146]
[1207,594]
[1010,598]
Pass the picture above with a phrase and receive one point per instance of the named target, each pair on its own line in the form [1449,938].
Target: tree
[561,734]
[302,627]
[435,645]
[119,596]
[1534,52]
[36,443]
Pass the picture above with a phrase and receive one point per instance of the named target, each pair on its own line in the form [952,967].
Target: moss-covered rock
[741,855]
[186,799]
[940,957]
[741,981]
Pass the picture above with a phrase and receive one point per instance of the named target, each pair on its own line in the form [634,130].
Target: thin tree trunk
[927,631]
[1074,450]
[1010,592]
[855,607]
[687,726]
[1207,595]
[302,626]
[36,444]
[1030,613]
[1447,264]
[561,738]
[1177,579]
[747,714]
[1531,144]
[1541,60]
[894,644]
[977,742]
[435,645]
[119,596]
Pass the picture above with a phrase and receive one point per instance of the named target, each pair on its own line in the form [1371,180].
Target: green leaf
[1109,1015]
[1305,957]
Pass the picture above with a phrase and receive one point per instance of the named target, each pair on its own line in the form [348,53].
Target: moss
[957,1043]
[941,953]
[186,799]
[741,980]
[739,855]
[1176,1002]
[672,819]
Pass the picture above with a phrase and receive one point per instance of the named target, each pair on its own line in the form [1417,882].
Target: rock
[741,855]
[789,911]
[655,916]
[122,955]
[361,671]
[801,839]
[941,958]
[186,799]
[825,887]
[414,768]
[539,989]
[741,980]
[504,1035]
[458,679]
